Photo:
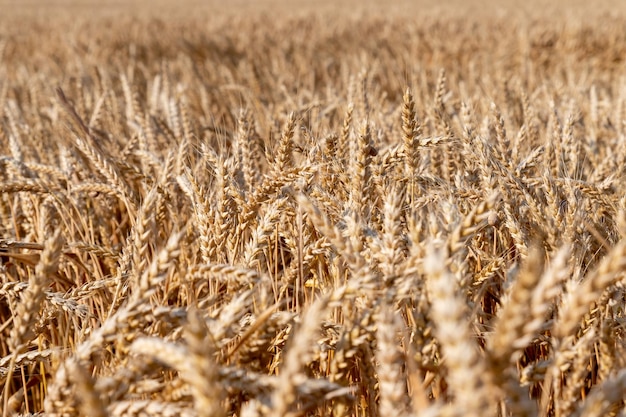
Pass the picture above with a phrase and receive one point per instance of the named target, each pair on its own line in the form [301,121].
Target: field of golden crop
[304,209]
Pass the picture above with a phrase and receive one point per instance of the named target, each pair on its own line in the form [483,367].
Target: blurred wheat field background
[306,209]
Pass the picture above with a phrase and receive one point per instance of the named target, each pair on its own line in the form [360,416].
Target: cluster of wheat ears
[317,216]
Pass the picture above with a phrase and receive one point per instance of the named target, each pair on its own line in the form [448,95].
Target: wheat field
[299,209]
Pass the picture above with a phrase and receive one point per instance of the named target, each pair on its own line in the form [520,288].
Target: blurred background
[182,8]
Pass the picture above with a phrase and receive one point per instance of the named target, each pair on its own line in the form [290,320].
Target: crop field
[312,209]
